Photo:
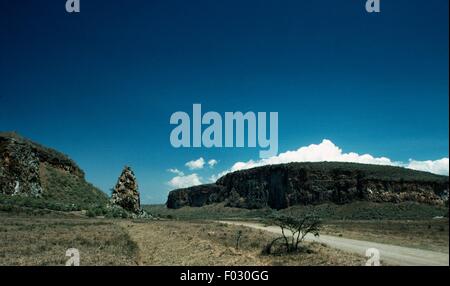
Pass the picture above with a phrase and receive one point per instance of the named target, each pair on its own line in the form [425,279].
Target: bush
[294,231]
[34,203]
[116,212]
[90,213]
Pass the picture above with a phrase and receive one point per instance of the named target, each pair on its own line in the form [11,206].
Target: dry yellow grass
[209,243]
[28,240]
[44,241]
[423,234]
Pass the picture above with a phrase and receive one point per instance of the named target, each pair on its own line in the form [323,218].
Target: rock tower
[125,193]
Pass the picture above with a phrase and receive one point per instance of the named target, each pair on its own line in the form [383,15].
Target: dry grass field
[44,241]
[423,234]
[407,224]
[210,243]
[28,240]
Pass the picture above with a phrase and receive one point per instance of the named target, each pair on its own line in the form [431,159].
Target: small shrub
[90,213]
[294,231]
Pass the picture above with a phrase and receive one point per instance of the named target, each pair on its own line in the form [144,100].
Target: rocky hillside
[285,185]
[30,170]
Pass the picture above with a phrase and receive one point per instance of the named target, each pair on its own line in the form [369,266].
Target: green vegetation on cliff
[34,177]
[328,211]
[68,189]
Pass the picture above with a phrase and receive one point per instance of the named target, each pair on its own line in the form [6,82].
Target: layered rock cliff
[285,185]
[32,170]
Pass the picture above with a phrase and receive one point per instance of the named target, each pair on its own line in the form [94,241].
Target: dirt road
[391,254]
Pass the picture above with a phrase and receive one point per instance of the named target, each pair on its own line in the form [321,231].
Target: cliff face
[196,196]
[30,169]
[19,168]
[281,186]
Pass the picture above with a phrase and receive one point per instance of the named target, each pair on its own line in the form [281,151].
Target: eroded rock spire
[125,193]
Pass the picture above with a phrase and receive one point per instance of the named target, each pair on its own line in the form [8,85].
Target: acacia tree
[294,231]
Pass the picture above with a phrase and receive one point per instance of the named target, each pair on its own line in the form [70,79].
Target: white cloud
[185,181]
[196,164]
[325,151]
[215,177]
[437,166]
[176,171]
[212,163]
[328,151]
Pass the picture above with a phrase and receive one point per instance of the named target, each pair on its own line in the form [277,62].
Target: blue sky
[101,85]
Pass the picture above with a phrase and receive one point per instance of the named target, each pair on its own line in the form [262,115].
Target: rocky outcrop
[125,193]
[28,169]
[21,161]
[195,196]
[19,169]
[285,185]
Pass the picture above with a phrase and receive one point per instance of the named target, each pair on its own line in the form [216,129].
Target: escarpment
[285,185]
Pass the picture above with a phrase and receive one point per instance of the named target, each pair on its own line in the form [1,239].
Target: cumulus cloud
[212,163]
[185,181]
[328,151]
[215,177]
[196,164]
[438,166]
[176,172]
[325,151]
